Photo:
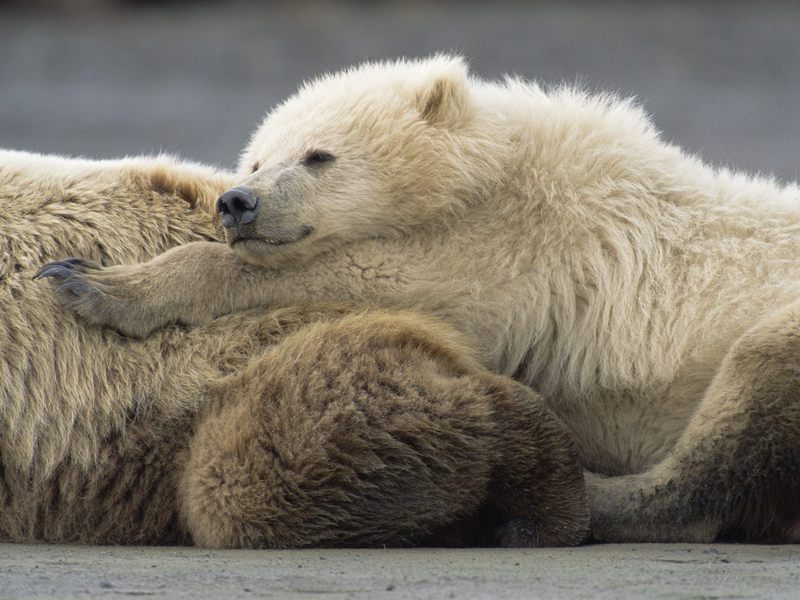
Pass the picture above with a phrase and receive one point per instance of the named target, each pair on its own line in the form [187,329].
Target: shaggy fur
[587,257]
[288,428]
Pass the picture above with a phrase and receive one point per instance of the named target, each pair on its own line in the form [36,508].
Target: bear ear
[442,100]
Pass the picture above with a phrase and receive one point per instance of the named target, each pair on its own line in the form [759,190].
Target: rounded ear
[442,99]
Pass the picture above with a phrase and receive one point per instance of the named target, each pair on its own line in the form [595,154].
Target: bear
[649,297]
[301,426]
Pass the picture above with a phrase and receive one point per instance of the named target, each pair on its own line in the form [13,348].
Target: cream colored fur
[587,257]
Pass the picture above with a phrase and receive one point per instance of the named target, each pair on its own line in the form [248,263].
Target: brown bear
[294,427]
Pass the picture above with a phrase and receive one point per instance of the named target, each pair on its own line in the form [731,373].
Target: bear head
[377,151]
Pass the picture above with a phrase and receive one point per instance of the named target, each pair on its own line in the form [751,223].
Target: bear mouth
[234,238]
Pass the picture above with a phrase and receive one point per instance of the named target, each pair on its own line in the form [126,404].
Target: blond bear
[650,298]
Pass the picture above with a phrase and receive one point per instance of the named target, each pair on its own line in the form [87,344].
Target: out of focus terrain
[112,78]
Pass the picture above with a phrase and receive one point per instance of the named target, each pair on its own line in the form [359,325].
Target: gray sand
[603,571]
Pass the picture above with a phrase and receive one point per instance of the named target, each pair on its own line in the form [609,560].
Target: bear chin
[271,252]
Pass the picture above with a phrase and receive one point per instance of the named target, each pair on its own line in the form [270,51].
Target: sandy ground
[602,571]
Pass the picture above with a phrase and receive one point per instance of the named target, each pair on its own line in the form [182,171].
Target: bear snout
[238,206]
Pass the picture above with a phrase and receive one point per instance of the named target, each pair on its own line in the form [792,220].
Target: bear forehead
[368,87]
[351,120]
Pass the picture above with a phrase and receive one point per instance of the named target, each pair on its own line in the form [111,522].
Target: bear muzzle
[238,206]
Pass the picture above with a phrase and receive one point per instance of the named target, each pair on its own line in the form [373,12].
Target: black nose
[237,206]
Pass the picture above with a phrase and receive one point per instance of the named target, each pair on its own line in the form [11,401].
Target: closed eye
[317,157]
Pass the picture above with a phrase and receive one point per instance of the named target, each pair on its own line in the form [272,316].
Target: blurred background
[106,78]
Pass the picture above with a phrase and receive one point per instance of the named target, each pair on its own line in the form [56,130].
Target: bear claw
[54,270]
[61,269]
[75,287]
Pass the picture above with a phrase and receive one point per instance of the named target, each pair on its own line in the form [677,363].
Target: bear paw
[98,295]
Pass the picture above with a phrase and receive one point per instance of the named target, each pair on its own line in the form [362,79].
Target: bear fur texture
[296,427]
[651,298]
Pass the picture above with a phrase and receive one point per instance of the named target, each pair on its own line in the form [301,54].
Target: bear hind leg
[735,472]
[368,431]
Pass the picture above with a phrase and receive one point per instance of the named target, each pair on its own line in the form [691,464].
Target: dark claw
[55,269]
[73,260]
[51,269]
[75,287]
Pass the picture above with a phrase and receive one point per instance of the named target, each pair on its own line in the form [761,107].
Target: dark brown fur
[365,432]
